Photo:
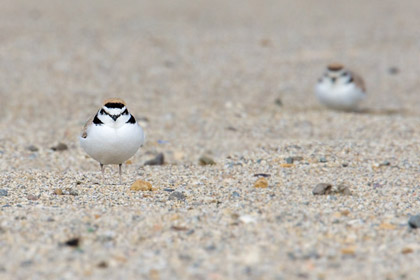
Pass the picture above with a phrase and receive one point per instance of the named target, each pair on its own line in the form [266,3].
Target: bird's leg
[103,172]
[120,172]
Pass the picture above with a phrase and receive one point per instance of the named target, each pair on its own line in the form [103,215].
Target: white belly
[344,97]
[110,145]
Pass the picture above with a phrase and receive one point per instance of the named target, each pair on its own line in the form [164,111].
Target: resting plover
[340,88]
[112,135]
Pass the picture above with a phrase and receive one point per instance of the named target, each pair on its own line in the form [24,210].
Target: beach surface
[231,81]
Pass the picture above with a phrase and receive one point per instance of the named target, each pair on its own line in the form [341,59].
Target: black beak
[333,79]
[115,117]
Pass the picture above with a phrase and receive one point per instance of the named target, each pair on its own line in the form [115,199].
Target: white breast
[110,145]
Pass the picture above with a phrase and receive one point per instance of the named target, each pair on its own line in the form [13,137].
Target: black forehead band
[112,105]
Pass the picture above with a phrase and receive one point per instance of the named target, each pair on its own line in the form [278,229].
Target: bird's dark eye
[344,74]
[102,111]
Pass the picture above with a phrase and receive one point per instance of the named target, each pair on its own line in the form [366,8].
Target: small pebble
[32,197]
[58,191]
[289,160]
[343,189]
[262,175]
[59,147]
[179,228]
[102,264]
[345,164]
[322,188]
[141,185]
[73,242]
[3,192]
[393,70]
[348,250]
[168,190]
[407,250]
[261,183]
[158,160]
[414,221]
[236,194]
[177,196]
[322,159]
[206,160]
[278,102]
[32,148]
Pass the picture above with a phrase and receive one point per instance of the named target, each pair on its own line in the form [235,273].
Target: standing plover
[112,135]
[340,88]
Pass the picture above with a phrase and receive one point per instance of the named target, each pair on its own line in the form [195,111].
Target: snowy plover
[112,135]
[340,88]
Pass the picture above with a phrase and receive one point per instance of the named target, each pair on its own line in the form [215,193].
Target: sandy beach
[229,80]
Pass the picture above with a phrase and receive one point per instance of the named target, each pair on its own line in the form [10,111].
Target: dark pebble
[322,159]
[26,263]
[385,163]
[265,175]
[59,147]
[168,190]
[393,70]
[73,242]
[206,160]
[32,197]
[158,160]
[321,189]
[278,102]
[177,196]
[3,192]
[236,194]
[102,264]
[32,148]
[344,164]
[414,221]
[343,189]
[289,160]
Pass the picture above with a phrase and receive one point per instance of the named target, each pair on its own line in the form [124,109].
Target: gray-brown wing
[358,80]
[87,124]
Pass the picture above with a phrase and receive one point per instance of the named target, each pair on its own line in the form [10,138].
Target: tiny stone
[289,160]
[262,175]
[414,221]
[236,194]
[32,197]
[385,163]
[278,102]
[407,250]
[321,189]
[158,160]
[393,70]
[177,196]
[261,183]
[102,264]
[343,189]
[344,164]
[73,242]
[32,148]
[206,160]
[322,159]
[141,185]
[3,192]
[58,191]
[168,190]
[60,147]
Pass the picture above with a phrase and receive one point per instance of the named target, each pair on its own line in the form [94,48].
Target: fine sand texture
[229,80]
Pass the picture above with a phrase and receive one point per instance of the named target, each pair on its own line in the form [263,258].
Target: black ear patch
[113,105]
[131,120]
[97,121]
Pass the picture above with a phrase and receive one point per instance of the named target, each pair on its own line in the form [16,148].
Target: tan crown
[335,66]
[114,100]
